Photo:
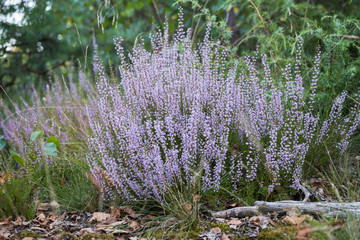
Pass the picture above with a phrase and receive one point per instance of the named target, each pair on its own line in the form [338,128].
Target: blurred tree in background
[41,37]
[52,36]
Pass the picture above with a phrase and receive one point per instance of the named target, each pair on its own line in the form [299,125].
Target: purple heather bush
[176,107]
[181,111]
[59,111]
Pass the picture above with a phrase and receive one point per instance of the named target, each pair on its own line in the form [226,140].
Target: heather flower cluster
[181,111]
[60,112]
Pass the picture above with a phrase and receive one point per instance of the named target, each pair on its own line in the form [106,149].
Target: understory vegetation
[249,106]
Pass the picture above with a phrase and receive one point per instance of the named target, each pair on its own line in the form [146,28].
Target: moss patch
[99,236]
[280,233]
[25,234]
[68,236]
[178,232]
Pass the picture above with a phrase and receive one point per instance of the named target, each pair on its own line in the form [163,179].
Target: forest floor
[125,223]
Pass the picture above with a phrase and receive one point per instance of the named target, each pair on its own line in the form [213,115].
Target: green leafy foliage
[56,34]
[50,149]
[34,135]
[273,27]
[17,158]
[2,142]
[54,140]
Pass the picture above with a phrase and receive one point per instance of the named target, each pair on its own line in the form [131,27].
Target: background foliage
[55,34]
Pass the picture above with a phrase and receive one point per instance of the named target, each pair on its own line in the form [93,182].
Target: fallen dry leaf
[255,220]
[224,237]
[234,221]
[318,186]
[295,219]
[86,231]
[134,225]
[4,177]
[117,223]
[216,230]
[304,233]
[109,220]
[196,198]
[187,207]
[129,211]
[19,221]
[54,205]
[43,207]
[115,212]
[259,221]
[5,221]
[41,217]
[4,233]
[337,225]
[99,217]
[233,205]
[317,182]
[52,217]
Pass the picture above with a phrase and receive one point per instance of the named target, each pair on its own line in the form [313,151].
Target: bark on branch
[314,208]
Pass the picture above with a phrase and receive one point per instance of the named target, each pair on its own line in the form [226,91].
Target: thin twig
[261,18]
[345,36]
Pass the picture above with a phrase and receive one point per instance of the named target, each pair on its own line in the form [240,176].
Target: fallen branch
[306,192]
[314,208]
[239,212]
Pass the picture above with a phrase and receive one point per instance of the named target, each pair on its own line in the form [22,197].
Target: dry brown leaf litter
[124,223]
